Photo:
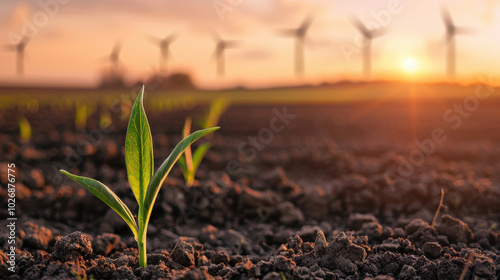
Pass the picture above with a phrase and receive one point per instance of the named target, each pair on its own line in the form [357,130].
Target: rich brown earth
[327,192]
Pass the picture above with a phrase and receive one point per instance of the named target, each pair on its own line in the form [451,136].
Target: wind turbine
[115,76]
[164,45]
[300,36]
[114,55]
[114,58]
[220,48]
[368,36]
[451,31]
[19,49]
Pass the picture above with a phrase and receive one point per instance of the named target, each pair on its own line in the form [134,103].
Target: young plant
[105,120]
[24,129]
[144,183]
[83,110]
[216,109]
[434,221]
[190,161]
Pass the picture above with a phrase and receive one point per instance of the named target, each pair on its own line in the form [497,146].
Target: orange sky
[70,39]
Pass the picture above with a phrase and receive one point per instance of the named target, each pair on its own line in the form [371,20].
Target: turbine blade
[290,32]
[361,27]
[378,32]
[445,14]
[153,39]
[171,38]
[231,44]
[461,30]
[116,49]
[215,35]
[10,48]
[24,42]
[306,23]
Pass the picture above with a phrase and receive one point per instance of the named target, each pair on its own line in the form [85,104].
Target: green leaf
[182,163]
[188,156]
[162,172]
[217,108]
[139,150]
[199,154]
[107,196]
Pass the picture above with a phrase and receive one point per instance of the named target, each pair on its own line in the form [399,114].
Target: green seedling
[84,277]
[105,120]
[438,209]
[24,129]
[216,109]
[144,183]
[190,161]
[82,113]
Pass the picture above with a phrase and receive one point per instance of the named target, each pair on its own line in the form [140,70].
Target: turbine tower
[368,36]
[299,34]
[220,49]
[164,45]
[19,49]
[451,31]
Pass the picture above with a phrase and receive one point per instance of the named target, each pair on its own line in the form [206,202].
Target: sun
[409,65]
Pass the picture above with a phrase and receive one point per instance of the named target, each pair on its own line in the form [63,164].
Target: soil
[320,195]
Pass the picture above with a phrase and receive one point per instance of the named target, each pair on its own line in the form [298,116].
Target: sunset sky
[71,38]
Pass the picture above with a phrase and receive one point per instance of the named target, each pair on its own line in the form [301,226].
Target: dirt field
[288,191]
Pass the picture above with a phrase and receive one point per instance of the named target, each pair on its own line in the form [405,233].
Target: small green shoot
[190,161]
[105,120]
[144,183]
[84,277]
[24,129]
[216,109]
[83,111]
[438,209]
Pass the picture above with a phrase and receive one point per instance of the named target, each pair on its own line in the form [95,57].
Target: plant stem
[190,178]
[141,241]
[143,262]
[438,209]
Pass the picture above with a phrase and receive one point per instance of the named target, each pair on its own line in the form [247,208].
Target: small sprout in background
[82,113]
[438,209]
[190,161]
[84,277]
[105,120]
[216,109]
[144,183]
[24,129]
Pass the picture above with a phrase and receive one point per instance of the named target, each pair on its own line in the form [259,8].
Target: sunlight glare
[410,65]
